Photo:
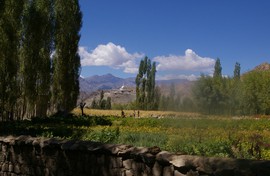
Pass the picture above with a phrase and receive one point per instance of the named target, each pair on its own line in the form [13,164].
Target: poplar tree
[236,72]
[152,92]
[45,8]
[218,69]
[145,85]
[29,31]
[35,56]
[66,61]
[10,24]
[235,91]
[108,103]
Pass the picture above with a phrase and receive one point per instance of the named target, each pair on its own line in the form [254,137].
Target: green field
[200,135]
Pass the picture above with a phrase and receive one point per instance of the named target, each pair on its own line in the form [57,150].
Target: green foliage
[102,103]
[146,92]
[106,135]
[10,25]
[245,95]
[256,94]
[129,106]
[30,30]
[236,72]
[73,120]
[203,92]
[206,136]
[108,104]
[35,57]
[94,104]
[175,102]
[218,69]
[55,126]
[143,139]
[66,62]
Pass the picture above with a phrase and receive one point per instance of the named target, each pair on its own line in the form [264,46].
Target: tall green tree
[237,70]
[217,69]
[35,56]
[256,92]
[145,85]
[211,93]
[102,101]
[94,104]
[45,8]
[66,61]
[203,94]
[235,92]
[10,25]
[152,92]
[108,103]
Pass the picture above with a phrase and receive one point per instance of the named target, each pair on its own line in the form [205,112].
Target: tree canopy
[145,85]
[39,63]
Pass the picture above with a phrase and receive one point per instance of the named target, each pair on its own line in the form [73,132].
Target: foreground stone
[25,155]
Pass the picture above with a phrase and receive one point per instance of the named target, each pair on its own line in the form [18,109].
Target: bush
[144,139]
[106,135]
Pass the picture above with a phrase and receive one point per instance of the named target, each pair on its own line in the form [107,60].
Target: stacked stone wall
[25,155]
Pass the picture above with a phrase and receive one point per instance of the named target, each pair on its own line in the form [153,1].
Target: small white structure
[122,88]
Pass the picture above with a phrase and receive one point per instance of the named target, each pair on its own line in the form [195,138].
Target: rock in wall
[25,155]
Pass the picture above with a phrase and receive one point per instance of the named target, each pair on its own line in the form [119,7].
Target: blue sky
[184,37]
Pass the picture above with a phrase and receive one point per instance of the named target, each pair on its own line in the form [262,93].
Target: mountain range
[90,87]
[109,81]
[104,82]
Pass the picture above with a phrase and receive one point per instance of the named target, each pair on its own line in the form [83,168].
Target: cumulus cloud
[190,61]
[191,77]
[114,56]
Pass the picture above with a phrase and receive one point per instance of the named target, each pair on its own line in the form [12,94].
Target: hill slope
[91,87]
[104,82]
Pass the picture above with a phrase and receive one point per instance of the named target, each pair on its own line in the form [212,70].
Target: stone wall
[25,155]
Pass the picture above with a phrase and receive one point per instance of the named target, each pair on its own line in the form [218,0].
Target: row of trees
[255,92]
[102,103]
[147,95]
[175,101]
[218,94]
[39,63]
[238,95]
[245,94]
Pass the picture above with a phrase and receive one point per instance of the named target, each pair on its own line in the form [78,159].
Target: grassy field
[187,133]
[143,114]
[190,133]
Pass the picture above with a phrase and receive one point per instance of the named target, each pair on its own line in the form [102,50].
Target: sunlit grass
[188,133]
[130,113]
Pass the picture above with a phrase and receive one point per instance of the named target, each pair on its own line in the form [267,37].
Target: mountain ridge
[109,81]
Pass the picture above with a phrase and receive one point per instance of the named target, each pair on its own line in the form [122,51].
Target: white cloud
[111,55]
[191,77]
[190,61]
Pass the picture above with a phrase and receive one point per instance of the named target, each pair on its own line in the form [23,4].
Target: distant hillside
[263,67]
[109,81]
[118,96]
[104,82]
[90,88]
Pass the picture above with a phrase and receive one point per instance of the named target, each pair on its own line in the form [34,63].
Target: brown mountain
[263,67]
[91,87]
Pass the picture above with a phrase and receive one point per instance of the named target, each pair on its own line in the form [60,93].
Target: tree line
[175,101]
[39,63]
[102,103]
[240,94]
[147,94]
[245,94]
